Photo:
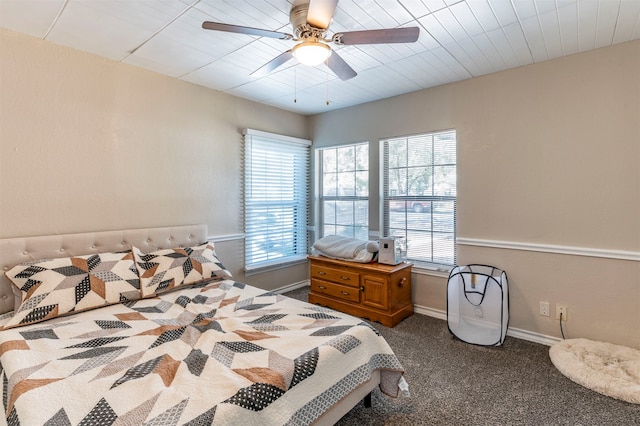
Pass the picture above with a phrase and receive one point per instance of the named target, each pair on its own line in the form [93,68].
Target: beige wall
[548,154]
[90,144]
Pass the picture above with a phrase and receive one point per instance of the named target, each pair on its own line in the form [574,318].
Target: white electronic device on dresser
[392,250]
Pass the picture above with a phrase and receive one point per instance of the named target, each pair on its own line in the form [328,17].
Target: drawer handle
[361,288]
[344,278]
[345,293]
[321,287]
[322,273]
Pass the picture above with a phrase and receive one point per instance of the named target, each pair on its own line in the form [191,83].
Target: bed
[212,351]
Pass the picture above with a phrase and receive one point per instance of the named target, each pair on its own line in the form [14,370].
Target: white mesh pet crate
[478,304]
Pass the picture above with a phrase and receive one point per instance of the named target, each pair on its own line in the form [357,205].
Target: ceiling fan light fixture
[311,53]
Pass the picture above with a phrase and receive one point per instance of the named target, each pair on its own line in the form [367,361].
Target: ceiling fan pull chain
[295,84]
[327,83]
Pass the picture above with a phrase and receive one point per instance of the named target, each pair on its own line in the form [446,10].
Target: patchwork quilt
[220,353]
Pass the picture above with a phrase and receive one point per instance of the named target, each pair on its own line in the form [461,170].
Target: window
[276,182]
[419,195]
[344,192]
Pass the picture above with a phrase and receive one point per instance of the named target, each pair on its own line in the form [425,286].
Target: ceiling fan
[310,22]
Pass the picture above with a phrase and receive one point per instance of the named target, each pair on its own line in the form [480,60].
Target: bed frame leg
[367,400]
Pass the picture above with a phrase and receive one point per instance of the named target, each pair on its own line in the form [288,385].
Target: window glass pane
[397,215]
[361,232]
[445,149]
[443,248]
[444,216]
[362,157]
[344,212]
[329,229]
[419,190]
[346,159]
[344,196]
[419,180]
[397,182]
[397,153]
[419,151]
[346,184]
[345,231]
[329,184]
[329,209]
[362,183]
[419,245]
[329,161]
[444,180]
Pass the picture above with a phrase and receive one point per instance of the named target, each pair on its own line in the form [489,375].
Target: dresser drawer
[338,291]
[374,291]
[335,275]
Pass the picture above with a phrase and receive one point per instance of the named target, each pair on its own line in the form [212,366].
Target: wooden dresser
[370,290]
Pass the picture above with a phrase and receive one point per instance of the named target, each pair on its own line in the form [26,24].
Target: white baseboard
[442,315]
[513,332]
[291,287]
[531,336]
[430,312]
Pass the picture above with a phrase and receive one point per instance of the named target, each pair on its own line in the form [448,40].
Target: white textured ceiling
[459,39]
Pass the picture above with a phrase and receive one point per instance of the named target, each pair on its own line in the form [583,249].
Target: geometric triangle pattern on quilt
[256,397]
[54,287]
[217,365]
[167,269]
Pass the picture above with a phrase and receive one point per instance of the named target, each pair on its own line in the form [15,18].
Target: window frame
[408,200]
[364,198]
[256,203]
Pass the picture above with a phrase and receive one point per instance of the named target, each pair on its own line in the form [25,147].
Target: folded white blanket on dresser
[344,248]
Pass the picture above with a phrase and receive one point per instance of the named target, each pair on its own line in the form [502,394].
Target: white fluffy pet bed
[609,369]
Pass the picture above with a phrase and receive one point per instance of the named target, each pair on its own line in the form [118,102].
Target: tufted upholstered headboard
[17,250]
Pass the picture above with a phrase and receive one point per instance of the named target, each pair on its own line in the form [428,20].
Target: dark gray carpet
[454,383]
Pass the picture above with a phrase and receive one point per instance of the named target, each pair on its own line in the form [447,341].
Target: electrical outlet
[544,309]
[561,309]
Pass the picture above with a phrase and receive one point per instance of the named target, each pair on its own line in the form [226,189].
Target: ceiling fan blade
[216,26]
[340,67]
[272,64]
[321,12]
[389,35]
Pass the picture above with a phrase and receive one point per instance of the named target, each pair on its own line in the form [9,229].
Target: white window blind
[276,184]
[344,194]
[419,195]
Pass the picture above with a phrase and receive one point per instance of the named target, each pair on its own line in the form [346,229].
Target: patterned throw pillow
[54,287]
[166,269]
